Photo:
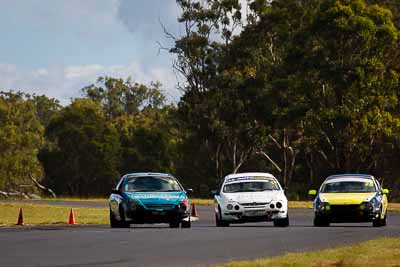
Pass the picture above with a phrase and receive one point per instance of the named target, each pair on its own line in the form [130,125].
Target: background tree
[353,83]
[86,158]
[148,141]
[299,88]
[21,137]
[118,96]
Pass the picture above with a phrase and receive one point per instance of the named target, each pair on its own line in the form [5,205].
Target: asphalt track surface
[158,245]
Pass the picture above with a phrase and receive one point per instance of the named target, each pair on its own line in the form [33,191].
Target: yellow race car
[350,198]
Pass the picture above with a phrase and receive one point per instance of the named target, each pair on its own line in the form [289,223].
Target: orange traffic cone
[20,218]
[71,217]
[194,211]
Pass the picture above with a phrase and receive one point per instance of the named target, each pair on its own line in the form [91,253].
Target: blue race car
[149,198]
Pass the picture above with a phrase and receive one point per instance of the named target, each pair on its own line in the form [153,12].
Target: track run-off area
[158,245]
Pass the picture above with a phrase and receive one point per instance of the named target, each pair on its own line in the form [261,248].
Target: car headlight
[237,207]
[232,205]
[367,205]
[324,206]
[278,205]
[321,198]
[373,204]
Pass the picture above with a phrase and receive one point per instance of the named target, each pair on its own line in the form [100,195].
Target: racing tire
[282,222]
[218,221]
[114,223]
[319,222]
[186,224]
[379,222]
[384,221]
[174,224]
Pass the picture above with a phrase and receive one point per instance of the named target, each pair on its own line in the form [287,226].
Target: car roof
[248,174]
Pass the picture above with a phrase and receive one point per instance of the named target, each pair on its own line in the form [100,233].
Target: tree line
[299,88]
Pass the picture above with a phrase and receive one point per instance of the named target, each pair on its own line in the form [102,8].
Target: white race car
[250,197]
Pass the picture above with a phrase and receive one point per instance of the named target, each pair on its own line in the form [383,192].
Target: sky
[56,47]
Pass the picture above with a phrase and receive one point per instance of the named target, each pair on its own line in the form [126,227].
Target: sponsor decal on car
[155,195]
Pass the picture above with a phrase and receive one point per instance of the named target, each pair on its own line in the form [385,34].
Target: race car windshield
[251,186]
[152,184]
[349,187]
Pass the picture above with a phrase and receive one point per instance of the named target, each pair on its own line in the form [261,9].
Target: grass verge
[44,214]
[202,201]
[76,199]
[197,201]
[379,252]
[50,214]
[393,207]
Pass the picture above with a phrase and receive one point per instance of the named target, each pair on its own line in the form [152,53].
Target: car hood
[156,197]
[251,197]
[345,198]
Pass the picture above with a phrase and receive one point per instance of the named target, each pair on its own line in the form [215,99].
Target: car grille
[160,206]
[345,209]
[254,204]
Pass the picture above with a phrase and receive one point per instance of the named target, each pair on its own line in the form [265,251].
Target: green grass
[394,207]
[300,204]
[89,199]
[202,201]
[50,214]
[197,201]
[44,214]
[380,252]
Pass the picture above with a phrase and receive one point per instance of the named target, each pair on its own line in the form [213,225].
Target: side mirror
[385,191]
[115,191]
[189,190]
[312,192]
[214,193]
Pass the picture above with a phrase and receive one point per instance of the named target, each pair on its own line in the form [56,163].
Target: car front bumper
[253,215]
[156,216]
[348,213]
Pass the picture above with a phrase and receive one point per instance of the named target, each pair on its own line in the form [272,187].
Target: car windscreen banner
[249,178]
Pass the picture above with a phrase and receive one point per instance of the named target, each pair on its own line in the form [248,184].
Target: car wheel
[174,224]
[219,222]
[384,221]
[319,222]
[114,223]
[379,222]
[282,222]
[186,224]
